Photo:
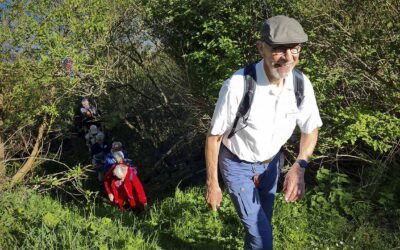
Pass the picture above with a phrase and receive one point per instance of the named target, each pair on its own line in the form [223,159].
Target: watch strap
[302,163]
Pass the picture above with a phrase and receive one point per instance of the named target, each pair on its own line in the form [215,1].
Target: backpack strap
[298,82]
[250,78]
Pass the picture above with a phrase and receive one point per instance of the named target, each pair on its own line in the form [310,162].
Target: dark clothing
[98,149]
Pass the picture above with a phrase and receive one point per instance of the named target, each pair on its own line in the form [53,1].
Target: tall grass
[32,221]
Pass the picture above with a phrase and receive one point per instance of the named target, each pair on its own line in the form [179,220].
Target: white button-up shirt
[272,119]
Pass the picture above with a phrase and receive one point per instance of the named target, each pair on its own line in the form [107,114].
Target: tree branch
[141,65]
[181,142]
[30,164]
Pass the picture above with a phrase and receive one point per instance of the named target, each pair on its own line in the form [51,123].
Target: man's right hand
[214,193]
[214,197]
[111,197]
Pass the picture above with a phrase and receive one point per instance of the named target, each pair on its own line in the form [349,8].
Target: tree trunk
[2,164]
[30,163]
[2,157]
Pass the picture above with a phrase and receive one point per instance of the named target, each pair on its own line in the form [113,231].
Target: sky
[4,3]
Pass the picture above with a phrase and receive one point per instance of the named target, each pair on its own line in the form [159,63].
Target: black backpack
[250,77]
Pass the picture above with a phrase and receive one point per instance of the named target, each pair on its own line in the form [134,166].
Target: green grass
[32,221]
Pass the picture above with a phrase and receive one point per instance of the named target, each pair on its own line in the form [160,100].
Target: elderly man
[250,154]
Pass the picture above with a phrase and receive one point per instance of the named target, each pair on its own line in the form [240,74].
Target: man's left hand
[294,186]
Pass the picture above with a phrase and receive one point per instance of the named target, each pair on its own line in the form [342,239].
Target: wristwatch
[302,163]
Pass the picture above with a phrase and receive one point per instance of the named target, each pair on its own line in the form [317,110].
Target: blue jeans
[253,204]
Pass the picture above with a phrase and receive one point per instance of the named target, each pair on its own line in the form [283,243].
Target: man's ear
[260,47]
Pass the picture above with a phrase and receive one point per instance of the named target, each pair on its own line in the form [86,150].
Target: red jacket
[131,190]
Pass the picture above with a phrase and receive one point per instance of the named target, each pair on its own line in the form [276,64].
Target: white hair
[119,156]
[93,129]
[120,171]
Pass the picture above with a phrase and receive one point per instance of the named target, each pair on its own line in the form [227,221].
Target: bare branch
[185,139]
[30,164]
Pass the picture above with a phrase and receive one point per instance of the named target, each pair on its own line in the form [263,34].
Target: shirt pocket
[292,114]
[287,118]
[289,110]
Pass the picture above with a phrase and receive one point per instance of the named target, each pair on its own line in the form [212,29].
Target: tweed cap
[282,30]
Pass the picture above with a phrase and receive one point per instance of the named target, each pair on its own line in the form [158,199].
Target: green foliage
[184,221]
[321,221]
[378,130]
[31,221]
[213,38]
[187,222]
[35,38]
[354,67]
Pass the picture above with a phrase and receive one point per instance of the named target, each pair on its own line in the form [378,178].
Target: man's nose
[287,56]
[288,53]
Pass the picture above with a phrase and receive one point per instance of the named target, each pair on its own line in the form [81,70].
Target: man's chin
[280,74]
[283,71]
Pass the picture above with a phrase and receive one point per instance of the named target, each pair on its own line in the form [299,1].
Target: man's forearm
[307,144]
[213,143]
[294,186]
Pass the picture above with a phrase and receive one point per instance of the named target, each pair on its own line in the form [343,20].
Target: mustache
[281,64]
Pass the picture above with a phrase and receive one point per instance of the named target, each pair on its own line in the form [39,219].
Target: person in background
[98,152]
[89,115]
[110,160]
[123,187]
[90,137]
[88,110]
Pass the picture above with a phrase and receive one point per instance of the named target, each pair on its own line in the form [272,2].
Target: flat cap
[282,30]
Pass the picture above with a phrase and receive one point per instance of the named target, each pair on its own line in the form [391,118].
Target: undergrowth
[33,221]
[332,216]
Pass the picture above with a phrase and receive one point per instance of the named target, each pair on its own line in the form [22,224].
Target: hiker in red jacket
[124,187]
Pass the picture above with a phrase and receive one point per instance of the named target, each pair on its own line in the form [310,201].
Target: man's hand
[294,186]
[111,197]
[214,197]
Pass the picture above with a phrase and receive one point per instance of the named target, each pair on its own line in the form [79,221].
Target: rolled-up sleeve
[309,118]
